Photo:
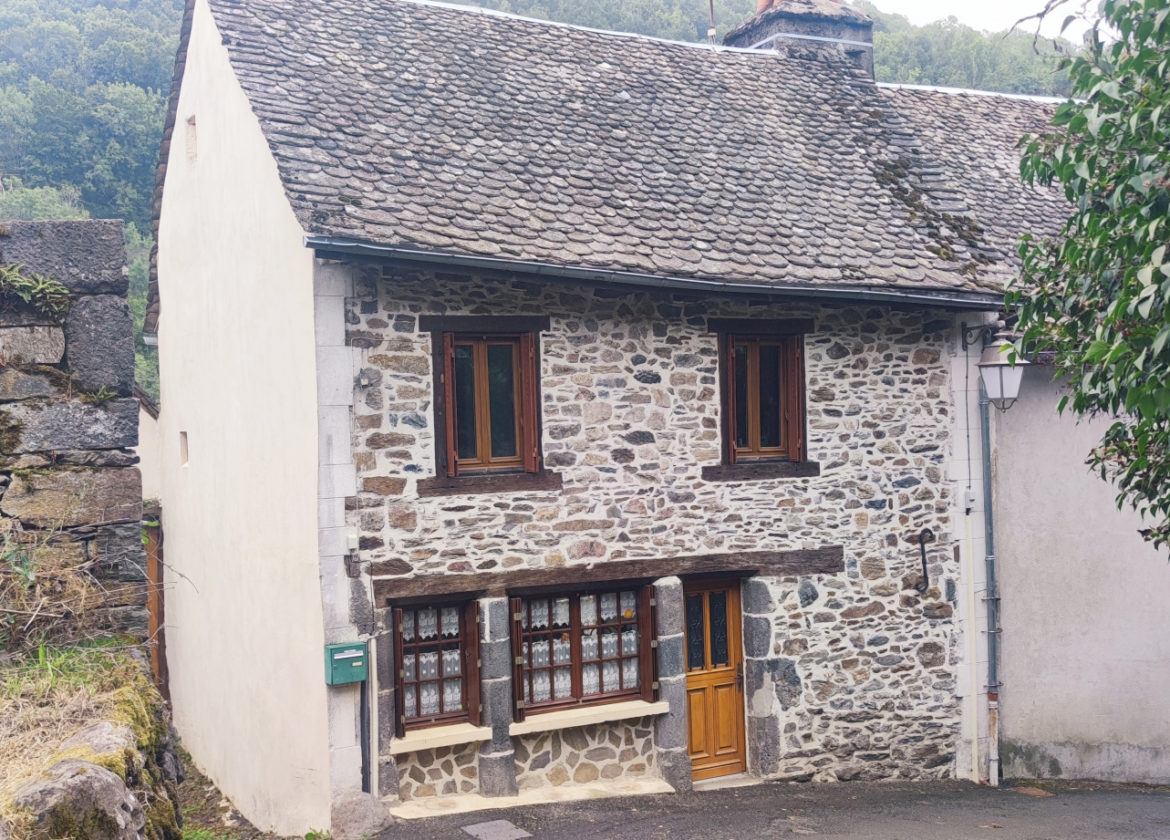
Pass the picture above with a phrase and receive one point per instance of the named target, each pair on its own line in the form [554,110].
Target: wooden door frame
[156,603]
[732,585]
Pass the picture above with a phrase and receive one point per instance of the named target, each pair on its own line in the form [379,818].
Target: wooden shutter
[471,659]
[399,677]
[516,605]
[529,438]
[449,399]
[729,421]
[794,396]
[647,645]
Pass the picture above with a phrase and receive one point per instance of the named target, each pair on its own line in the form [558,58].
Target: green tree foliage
[1098,296]
[83,87]
[39,203]
[947,53]
[145,357]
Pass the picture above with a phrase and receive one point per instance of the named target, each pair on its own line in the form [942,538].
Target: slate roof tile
[483,134]
[415,124]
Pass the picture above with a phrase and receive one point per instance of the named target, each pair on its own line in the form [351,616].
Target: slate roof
[465,132]
[975,136]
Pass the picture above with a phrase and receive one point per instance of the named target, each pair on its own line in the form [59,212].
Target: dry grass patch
[48,695]
[46,589]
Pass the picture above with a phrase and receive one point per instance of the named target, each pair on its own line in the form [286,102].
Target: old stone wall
[852,673]
[444,771]
[585,754]
[68,422]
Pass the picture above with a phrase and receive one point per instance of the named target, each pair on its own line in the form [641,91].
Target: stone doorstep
[736,780]
[434,806]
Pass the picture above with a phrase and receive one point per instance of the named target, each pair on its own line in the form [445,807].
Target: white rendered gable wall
[244,620]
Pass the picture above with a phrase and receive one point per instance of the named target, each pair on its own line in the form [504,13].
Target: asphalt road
[869,810]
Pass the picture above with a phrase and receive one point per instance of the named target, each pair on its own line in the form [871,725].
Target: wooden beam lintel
[794,563]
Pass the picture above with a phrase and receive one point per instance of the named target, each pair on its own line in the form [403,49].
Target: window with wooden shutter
[583,648]
[761,374]
[436,656]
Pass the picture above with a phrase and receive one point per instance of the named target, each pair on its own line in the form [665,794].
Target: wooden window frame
[644,621]
[790,458]
[469,667]
[500,475]
[791,388]
[523,349]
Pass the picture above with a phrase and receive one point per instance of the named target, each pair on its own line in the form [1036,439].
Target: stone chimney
[808,29]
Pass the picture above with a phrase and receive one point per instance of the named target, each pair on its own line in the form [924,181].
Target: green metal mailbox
[346,663]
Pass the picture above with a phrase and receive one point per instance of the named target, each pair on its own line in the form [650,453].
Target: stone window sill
[586,715]
[440,736]
[761,470]
[501,483]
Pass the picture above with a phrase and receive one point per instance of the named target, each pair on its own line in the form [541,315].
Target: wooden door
[714,656]
[155,604]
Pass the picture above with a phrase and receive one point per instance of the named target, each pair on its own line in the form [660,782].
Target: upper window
[584,648]
[487,397]
[764,404]
[491,402]
[762,377]
[436,649]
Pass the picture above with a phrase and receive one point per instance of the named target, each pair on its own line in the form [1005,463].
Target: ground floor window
[436,655]
[582,648]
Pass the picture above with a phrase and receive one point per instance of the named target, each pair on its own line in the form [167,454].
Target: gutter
[991,597]
[331,247]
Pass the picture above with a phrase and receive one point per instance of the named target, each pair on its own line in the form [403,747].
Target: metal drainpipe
[992,596]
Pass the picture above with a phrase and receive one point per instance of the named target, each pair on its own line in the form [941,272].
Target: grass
[52,692]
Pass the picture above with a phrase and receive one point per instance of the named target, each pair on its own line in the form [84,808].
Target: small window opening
[192,140]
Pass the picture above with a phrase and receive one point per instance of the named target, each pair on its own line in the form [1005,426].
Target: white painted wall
[1086,655]
[236,345]
[967,535]
[338,365]
[149,451]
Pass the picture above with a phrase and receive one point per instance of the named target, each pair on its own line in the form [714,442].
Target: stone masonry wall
[68,421]
[585,754]
[444,771]
[851,674]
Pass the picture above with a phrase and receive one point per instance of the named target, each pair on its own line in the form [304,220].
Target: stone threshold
[440,736]
[588,715]
[435,806]
[735,780]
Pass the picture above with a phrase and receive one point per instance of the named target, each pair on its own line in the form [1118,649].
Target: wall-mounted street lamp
[1001,375]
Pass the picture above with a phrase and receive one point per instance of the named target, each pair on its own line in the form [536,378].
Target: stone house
[610,391]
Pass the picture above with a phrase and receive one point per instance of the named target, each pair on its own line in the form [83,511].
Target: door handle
[739,677]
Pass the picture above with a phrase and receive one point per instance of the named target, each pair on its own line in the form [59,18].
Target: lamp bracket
[983,333]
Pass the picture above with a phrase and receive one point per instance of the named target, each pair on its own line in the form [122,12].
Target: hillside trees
[83,89]
[947,53]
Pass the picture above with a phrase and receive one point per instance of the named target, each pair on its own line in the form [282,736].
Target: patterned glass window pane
[450,621]
[431,671]
[630,673]
[696,655]
[588,610]
[502,400]
[718,610]
[465,431]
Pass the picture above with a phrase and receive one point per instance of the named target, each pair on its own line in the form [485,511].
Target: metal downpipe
[991,597]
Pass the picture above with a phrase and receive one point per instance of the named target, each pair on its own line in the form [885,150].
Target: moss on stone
[10,431]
